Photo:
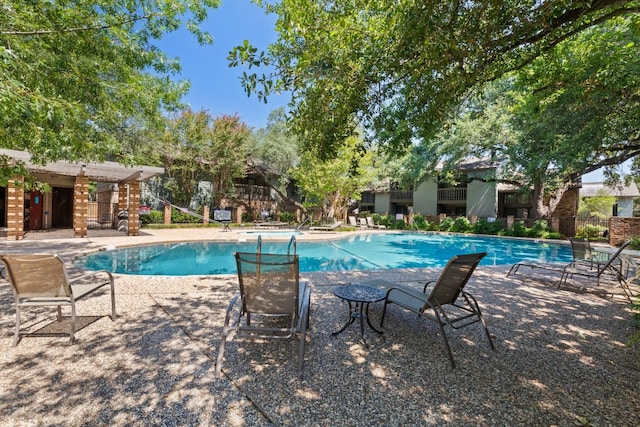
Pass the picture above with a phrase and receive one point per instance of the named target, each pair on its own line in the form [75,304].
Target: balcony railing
[252,192]
[452,194]
[401,196]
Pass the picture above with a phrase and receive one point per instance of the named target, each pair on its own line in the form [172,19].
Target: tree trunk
[539,210]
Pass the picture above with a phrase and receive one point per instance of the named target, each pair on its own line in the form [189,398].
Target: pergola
[77,176]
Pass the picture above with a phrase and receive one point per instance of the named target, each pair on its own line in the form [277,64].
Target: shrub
[182,217]
[247,216]
[462,225]
[635,245]
[485,227]
[518,230]
[446,224]
[287,216]
[420,222]
[154,217]
[540,227]
[589,231]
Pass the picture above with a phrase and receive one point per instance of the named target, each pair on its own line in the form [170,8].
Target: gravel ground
[561,358]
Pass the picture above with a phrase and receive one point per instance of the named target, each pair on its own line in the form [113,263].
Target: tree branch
[76,29]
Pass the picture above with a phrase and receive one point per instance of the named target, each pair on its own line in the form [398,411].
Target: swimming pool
[354,252]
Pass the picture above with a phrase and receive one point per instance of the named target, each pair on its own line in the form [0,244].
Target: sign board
[400,217]
[221,215]
[145,210]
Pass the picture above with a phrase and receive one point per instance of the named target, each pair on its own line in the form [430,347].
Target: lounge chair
[270,289]
[580,249]
[327,227]
[353,221]
[616,269]
[42,280]
[371,224]
[443,299]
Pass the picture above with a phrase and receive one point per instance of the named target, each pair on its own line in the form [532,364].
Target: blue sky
[214,86]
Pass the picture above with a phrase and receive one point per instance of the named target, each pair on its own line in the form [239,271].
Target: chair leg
[303,343]
[444,337]
[473,303]
[113,302]
[73,322]
[384,312]
[16,336]
[225,332]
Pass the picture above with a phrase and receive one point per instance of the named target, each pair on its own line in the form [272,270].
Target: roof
[99,172]
[593,189]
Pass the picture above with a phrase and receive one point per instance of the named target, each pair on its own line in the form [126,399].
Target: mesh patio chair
[270,289]
[42,280]
[447,304]
[617,269]
[581,252]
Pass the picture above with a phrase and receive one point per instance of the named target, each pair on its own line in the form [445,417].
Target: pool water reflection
[354,252]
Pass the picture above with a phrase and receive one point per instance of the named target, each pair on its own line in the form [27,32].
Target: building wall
[383,203]
[625,206]
[568,206]
[482,199]
[425,198]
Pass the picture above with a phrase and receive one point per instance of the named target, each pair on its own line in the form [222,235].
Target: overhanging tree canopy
[399,67]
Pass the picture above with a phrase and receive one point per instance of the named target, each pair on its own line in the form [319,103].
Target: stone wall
[622,229]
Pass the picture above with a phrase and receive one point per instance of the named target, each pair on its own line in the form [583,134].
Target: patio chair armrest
[89,274]
[426,285]
[227,316]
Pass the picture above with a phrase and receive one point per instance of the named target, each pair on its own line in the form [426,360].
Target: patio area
[561,357]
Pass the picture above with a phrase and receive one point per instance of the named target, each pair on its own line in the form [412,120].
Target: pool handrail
[306,220]
[292,241]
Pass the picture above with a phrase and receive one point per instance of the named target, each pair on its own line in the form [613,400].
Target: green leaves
[400,68]
[74,74]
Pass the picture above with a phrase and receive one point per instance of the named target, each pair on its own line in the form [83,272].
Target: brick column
[123,197]
[80,206]
[167,214]
[239,212]
[205,214]
[134,208]
[15,208]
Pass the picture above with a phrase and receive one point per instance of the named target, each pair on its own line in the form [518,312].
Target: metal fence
[101,215]
[585,227]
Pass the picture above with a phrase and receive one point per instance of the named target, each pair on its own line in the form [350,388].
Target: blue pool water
[355,252]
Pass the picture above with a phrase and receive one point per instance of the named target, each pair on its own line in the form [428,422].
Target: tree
[196,147]
[225,158]
[571,111]
[275,154]
[600,206]
[333,183]
[398,68]
[77,75]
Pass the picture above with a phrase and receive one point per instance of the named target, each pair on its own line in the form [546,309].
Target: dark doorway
[62,207]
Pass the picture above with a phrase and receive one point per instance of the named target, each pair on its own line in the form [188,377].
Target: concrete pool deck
[561,356]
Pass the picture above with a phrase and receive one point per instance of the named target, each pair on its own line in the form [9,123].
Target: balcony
[252,192]
[401,196]
[452,194]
